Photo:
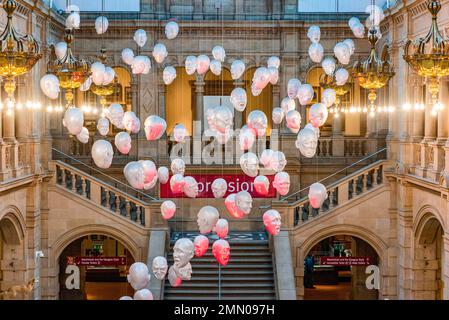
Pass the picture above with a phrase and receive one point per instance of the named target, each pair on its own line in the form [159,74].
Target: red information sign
[97,261]
[236,183]
[345,261]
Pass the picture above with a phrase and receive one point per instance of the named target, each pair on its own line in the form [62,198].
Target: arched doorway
[335,269]
[428,254]
[100,263]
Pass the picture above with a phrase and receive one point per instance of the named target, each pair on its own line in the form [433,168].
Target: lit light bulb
[438,106]
[434,112]
[29,105]
[372,114]
[9,112]
[406,107]
[1,106]
[10,104]
[19,106]
[95,111]
[337,115]
[365,110]
[359,109]
[50,109]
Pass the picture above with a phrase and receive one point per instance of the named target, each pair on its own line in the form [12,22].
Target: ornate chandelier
[430,56]
[329,82]
[372,73]
[103,91]
[70,71]
[18,55]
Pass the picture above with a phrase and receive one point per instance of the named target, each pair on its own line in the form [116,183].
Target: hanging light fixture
[102,91]
[329,82]
[430,55]
[18,55]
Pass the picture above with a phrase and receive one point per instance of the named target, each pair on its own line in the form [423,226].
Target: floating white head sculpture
[190,65]
[61,50]
[130,122]
[232,207]
[273,61]
[266,158]
[244,202]
[261,78]
[341,76]
[179,133]
[102,153]
[171,30]
[350,43]
[109,75]
[150,173]
[353,22]
[178,166]
[123,142]
[103,126]
[138,276]
[249,164]
[329,65]
[201,244]
[83,136]
[98,71]
[215,67]
[185,273]
[281,183]
[101,24]
[135,175]
[293,88]
[222,228]
[202,64]
[219,188]
[126,298]
[278,161]
[293,119]
[143,294]
[237,69]
[50,86]
[358,30]
[168,209]
[140,37]
[221,251]
[305,94]
[316,52]
[162,175]
[255,91]
[154,127]
[307,142]
[160,52]
[190,188]
[177,183]
[342,52]
[329,97]
[314,34]
[141,65]
[223,138]
[219,53]
[127,56]
[317,195]
[183,252]
[159,267]
[274,75]
[174,279]
[376,14]
[277,115]
[258,122]
[115,114]
[73,21]
[222,119]
[272,222]
[318,114]
[169,75]
[207,219]
[316,130]
[246,138]
[262,185]
[239,99]
[288,104]
[74,120]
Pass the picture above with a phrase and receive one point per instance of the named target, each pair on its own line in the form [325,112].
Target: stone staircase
[248,275]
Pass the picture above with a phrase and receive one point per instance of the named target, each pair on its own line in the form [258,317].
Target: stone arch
[12,220]
[424,215]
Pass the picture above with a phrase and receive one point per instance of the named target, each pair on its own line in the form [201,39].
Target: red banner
[97,261]
[236,183]
[345,261]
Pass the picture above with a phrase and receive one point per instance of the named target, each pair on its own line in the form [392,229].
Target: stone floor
[341,291]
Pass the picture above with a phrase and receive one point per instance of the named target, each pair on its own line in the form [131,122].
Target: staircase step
[195,284]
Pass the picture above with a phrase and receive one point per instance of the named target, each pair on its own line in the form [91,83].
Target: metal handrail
[106,175]
[337,172]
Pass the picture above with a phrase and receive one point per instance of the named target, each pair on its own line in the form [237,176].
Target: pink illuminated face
[222,228]
[272,222]
[261,184]
[201,244]
[232,208]
[221,251]
[173,278]
[177,183]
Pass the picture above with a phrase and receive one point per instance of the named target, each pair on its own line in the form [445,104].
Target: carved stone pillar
[338,141]
[238,116]
[430,120]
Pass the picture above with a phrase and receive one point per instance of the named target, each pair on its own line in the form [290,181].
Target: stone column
[238,116]
[156,247]
[284,267]
[199,99]
[338,141]
[430,121]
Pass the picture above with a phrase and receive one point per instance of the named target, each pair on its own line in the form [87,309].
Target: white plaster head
[314,34]
[101,24]
[135,175]
[179,133]
[141,65]
[317,195]
[261,185]
[258,122]
[261,77]
[293,120]
[341,76]
[185,273]
[130,122]
[140,37]
[103,126]
[272,222]
[174,279]
[50,86]
[177,183]
[222,119]
[329,65]
[305,94]
[232,207]
[102,153]
[316,52]
[73,21]
[150,173]
[274,75]
[74,120]
[273,61]
[350,43]
[178,166]
[98,71]
[201,244]
[221,251]
[143,294]
[316,130]
[221,228]
[255,91]
[244,202]
[155,127]
[183,252]
[207,219]
[358,30]
[329,97]
[159,267]
[239,99]
[202,64]
[288,104]
[126,298]
[318,114]
[281,183]
[138,275]
[163,174]
[342,52]
[219,188]
[169,75]
[123,142]
[278,161]
[109,76]
[353,22]
[127,56]
[171,30]
[307,142]
[266,157]
[246,138]
[168,209]
[293,86]
[237,69]
[215,67]
[115,114]
[83,136]
[249,164]
[190,65]
[277,115]
[86,84]
[190,188]
[61,50]
[219,53]
[160,52]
